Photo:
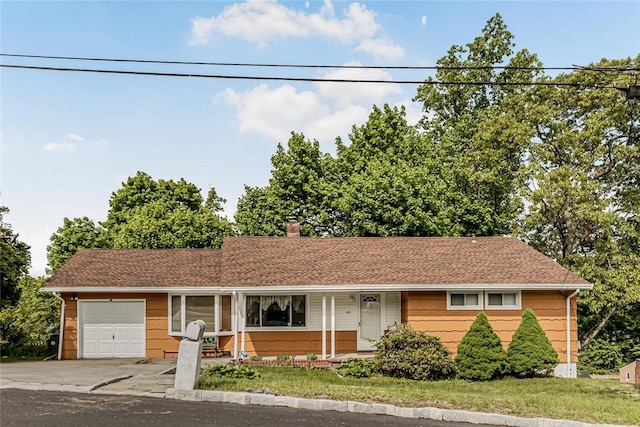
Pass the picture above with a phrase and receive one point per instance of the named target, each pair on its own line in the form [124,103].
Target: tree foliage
[530,352]
[146,214]
[480,355]
[15,259]
[414,355]
[33,317]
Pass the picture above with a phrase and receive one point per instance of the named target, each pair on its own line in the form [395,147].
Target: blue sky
[70,139]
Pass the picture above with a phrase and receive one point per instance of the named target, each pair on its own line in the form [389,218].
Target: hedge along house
[293,295]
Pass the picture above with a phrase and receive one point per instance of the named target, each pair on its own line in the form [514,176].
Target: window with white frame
[503,300]
[214,310]
[280,311]
[464,300]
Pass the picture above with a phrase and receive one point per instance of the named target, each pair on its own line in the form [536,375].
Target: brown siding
[293,343]
[157,336]
[427,311]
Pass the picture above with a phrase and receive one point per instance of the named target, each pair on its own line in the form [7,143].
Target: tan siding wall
[294,343]
[427,311]
[157,336]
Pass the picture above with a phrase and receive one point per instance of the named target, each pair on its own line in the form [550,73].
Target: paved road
[44,408]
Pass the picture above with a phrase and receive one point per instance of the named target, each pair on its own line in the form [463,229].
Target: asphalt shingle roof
[282,261]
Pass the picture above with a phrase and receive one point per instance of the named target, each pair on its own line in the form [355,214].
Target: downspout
[569,332]
[61,335]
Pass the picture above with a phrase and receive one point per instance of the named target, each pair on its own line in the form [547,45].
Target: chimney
[293,227]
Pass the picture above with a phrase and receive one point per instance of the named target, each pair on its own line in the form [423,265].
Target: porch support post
[324,327]
[218,313]
[333,326]
[243,319]
[235,325]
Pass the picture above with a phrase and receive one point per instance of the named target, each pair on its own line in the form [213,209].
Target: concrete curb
[107,382]
[371,408]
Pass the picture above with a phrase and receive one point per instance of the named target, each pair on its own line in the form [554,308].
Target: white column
[333,326]
[235,324]
[217,313]
[243,319]
[324,327]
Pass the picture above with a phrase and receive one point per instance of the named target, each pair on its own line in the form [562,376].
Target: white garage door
[112,329]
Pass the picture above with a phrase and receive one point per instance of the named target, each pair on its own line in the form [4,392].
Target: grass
[588,400]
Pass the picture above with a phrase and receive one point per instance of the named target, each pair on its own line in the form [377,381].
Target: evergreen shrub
[481,356]
[530,352]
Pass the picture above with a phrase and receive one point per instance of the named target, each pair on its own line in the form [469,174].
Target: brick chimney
[293,227]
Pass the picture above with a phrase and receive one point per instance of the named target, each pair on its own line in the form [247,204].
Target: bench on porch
[209,349]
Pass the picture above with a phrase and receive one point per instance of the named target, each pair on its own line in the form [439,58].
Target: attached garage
[111,328]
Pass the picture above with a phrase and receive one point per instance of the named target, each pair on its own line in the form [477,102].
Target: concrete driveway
[81,374]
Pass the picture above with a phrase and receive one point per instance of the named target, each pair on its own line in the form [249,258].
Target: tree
[298,187]
[34,315]
[480,355]
[476,128]
[15,260]
[582,184]
[74,234]
[530,352]
[147,214]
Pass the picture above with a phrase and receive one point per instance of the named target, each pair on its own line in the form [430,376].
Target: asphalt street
[46,408]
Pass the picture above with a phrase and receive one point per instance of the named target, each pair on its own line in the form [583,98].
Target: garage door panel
[113,329]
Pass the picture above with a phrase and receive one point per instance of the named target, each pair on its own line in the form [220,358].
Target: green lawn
[589,400]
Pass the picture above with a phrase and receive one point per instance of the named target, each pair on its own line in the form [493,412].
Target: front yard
[589,400]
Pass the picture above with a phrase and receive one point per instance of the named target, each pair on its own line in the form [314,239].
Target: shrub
[312,356]
[357,368]
[255,358]
[530,352]
[600,357]
[481,356]
[221,371]
[283,358]
[413,355]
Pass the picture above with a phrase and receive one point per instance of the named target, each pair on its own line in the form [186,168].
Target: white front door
[112,329]
[370,321]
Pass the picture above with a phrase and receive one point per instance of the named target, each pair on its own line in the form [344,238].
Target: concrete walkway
[155,378]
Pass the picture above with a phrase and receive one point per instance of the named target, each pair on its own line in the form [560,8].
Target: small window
[503,300]
[464,300]
[184,309]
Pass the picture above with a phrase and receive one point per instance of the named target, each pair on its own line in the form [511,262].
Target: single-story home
[296,295]
[630,373]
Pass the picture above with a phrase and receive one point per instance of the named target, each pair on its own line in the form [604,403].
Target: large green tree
[475,126]
[15,259]
[582,182]
[148,214]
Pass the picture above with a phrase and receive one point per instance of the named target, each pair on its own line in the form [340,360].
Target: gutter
[61,335]
[576,292]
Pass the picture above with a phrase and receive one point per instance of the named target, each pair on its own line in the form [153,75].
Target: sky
[69,140]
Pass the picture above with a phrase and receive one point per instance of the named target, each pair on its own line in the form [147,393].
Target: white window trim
[278,328]
[479,306]
[217,307]
[516,306]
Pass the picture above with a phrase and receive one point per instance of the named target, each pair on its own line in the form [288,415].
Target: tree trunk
[595,330]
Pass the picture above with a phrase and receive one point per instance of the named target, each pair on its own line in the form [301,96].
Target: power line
[318,66]
[301,79]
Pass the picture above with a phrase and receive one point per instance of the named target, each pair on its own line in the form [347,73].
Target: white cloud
[342,94]
[324,113]
[423,21]
[70,143]
[262,21]
[382,48]
[75,137]
[60,146]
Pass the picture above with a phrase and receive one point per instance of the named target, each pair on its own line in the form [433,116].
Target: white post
[324,327]
[217,313]
[243,319]
[333,326]
[235,325]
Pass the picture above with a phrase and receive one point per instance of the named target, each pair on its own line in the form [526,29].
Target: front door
[370,324]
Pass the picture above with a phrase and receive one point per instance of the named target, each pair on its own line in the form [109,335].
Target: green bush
[481,356]
[357,368]
[221,371]
[530,352]
[24,350]
[283,358]
[255,358]
[600,357]
[413,355]
[312,356]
